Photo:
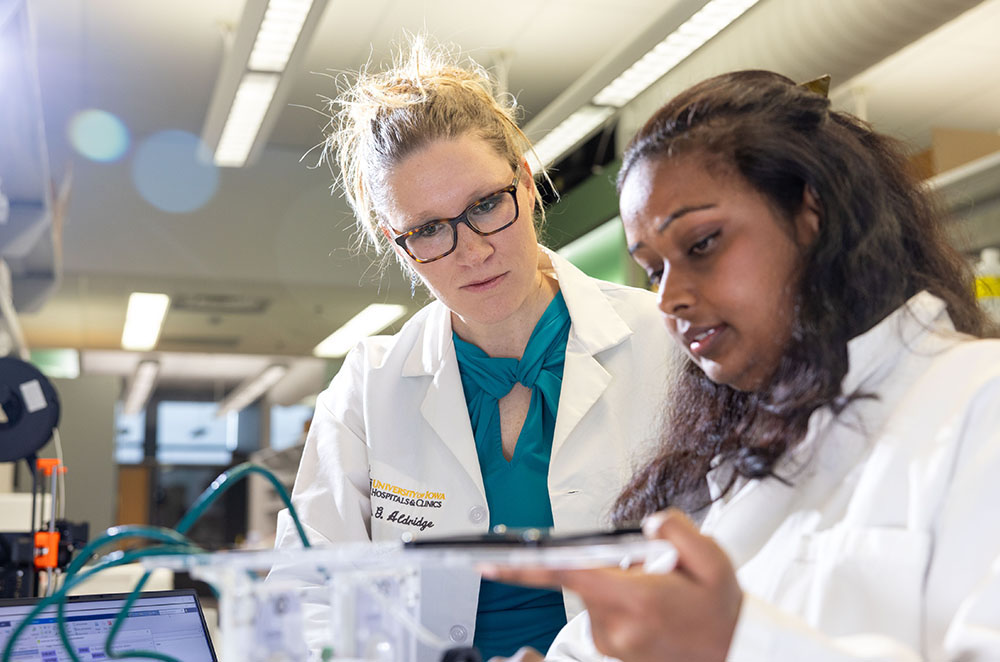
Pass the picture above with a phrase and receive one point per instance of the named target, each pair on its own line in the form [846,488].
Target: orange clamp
[46,549]
[47,464]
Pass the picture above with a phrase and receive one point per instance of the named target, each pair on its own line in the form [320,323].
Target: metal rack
[12,342]
[28,228]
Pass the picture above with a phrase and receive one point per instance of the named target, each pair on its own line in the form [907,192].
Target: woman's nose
[472,248]
[675,292]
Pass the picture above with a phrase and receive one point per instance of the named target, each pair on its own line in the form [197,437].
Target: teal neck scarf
[517,491]
[487,379]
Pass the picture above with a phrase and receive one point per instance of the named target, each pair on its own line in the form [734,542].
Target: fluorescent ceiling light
[369,321]
[143,320]
[622,75]
[709,21]
[270,39]
[570,132]
[140,387]
[252,389]
[250,104]
[280,29]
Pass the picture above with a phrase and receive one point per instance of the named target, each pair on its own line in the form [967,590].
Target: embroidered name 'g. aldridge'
[408,520]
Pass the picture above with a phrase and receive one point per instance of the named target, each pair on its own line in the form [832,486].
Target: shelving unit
[972,194]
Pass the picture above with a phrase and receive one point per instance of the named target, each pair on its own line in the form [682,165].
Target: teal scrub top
[517,491]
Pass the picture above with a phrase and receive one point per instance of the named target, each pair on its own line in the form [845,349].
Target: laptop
[169,622]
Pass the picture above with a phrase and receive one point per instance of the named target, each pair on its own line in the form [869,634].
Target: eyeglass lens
[486,216]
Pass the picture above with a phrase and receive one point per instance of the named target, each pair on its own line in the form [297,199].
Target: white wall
[86,426]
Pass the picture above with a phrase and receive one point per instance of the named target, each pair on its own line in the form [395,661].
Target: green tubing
[120,620]
[227,480]
[116,533]
[72,580]
[125,557]
[174,543]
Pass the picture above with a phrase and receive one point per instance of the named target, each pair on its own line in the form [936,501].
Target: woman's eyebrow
[430,217]
[670,219]
[681,212]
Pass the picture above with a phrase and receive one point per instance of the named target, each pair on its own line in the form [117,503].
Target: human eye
[486,205]
[704,245]
[654,271]
[429,230]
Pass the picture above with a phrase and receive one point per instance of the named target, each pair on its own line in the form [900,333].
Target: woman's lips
[701,341]
[483,285]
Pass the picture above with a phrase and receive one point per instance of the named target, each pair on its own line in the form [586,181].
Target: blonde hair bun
[429,92]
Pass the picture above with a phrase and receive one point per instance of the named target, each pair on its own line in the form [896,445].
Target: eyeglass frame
[401,238]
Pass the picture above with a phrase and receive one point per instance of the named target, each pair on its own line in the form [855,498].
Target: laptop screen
[168,622]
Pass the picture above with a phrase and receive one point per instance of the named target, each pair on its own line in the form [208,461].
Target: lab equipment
[370,591]
[29,414]
[29,410]
[367,594]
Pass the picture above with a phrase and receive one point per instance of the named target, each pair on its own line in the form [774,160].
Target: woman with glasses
[519,397]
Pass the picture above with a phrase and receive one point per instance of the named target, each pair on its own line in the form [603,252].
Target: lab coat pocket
[865,580]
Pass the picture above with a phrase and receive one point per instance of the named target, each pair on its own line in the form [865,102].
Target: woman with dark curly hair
[836,430]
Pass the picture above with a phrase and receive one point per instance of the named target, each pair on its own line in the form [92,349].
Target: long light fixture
[251,389]
[252,100]
[144,320]
[369,321]
[568,135]
[140,387]
[709,21]
[621,76]
[270,39]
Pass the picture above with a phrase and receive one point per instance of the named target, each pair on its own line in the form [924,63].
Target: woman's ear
[809,217]
[530,182]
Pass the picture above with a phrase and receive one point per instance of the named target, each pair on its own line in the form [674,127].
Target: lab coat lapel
[443,407]
[584,382]
[596,326]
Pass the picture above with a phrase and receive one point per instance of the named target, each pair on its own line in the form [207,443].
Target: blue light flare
[98,135]
[169,175]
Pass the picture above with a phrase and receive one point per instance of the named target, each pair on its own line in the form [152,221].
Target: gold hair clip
[820,86]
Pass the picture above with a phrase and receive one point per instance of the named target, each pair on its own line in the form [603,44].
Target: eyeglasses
[436,239]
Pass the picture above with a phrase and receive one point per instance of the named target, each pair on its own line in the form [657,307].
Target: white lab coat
[391,448]
[886,547]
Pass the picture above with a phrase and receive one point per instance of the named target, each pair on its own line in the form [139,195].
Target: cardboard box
[951,148]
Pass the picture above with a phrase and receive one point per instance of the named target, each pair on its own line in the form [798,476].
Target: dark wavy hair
[880,242]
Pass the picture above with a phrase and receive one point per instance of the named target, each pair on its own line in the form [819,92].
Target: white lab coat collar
[815,471]
[604,328]
[872,355]
[433,355]
[433,345]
